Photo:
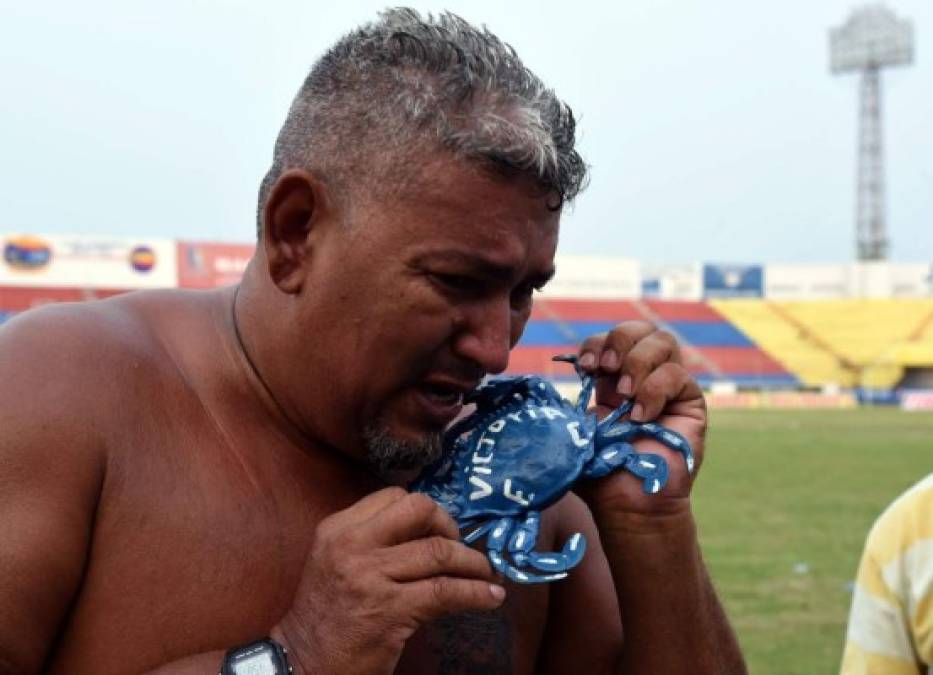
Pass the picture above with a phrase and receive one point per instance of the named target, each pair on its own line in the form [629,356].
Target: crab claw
[513,573]
[587,380]
[568,557]
[522,542]
[651,468]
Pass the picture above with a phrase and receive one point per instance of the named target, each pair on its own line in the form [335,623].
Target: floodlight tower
[871,39]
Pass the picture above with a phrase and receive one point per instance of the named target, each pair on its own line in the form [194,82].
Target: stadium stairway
[917,350]
[714,349]
[793,345]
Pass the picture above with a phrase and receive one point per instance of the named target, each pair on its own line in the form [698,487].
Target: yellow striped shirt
[891,620]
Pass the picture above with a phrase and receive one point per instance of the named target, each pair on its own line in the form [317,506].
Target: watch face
[256,664]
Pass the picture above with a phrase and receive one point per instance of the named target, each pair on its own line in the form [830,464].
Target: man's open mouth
[442,394]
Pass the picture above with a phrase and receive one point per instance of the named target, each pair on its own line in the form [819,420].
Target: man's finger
[590,350]
[620,341]
[412,517]
[368,506]
[648,354]
[668,383]
[434,556]
[439,596]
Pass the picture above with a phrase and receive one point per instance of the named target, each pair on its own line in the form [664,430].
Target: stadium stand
[859,343]
[742,335]
[792,344]
[714,349]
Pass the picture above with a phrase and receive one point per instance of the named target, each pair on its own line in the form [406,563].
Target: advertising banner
[892,280]
[209,265]
[911,280]
[848,280]
[808,282]
[788,400]
[77,261]
[917,400]
[673,282]
[594,277]
[732,281]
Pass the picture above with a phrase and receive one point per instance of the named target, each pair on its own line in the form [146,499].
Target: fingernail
[637,412]
[497,592]
[588,360]
[625,385]
[609,359]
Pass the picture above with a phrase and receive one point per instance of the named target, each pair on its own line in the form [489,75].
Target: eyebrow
[484,266]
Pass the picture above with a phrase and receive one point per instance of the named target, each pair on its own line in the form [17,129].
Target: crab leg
[496,543]
[629,431]
[523,540]
[477,534]
[651,468]
[568,557]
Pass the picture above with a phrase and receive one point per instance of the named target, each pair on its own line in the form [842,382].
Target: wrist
[676,520]
[293,654]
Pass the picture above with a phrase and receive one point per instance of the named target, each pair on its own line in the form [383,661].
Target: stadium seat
[714,349]
[863,343]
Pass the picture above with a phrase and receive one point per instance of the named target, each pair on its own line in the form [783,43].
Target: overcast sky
[714,129]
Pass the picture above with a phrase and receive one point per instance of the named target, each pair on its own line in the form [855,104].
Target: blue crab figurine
[522,450]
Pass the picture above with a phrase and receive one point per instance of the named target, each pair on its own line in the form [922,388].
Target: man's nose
[486,337]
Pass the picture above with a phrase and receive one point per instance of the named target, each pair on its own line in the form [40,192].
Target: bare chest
[200,543]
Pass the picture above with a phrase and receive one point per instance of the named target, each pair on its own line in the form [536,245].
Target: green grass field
[784,502]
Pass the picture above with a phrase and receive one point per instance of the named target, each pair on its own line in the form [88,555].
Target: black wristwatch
[263,657]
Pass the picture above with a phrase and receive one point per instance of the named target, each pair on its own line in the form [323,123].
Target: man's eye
[459,283]
[524,293]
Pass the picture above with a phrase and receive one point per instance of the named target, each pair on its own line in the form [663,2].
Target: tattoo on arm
[474,643]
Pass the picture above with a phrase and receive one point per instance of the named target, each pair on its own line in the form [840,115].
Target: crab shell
[521,450]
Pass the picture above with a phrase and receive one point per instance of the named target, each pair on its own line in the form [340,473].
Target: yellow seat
[857,342]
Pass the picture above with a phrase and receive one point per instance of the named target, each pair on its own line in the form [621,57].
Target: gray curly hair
[406,84]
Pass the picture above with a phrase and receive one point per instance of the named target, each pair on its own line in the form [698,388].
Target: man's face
[416,299]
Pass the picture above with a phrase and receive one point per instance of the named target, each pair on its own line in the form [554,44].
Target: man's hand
[376,572]
[636,360]
[673,620]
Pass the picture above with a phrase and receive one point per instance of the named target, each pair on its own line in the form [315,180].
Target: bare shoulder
[81,343]
[71,373]
[69,368]
[69,337]
[52,467]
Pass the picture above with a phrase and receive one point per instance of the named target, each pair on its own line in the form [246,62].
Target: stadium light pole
[871,39]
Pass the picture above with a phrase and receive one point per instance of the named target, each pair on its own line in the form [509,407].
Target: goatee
[386,454]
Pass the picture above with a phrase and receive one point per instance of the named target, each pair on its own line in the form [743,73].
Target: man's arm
[671,613]
[673,621]
[51,470]
[676,623]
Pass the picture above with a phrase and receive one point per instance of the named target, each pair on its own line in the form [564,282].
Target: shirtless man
[184,473]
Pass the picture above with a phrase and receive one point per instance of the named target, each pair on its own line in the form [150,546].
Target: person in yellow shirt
[891,620]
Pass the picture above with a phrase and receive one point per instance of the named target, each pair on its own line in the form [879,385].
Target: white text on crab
[486,451]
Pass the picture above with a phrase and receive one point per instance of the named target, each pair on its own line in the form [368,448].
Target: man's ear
[296,206]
